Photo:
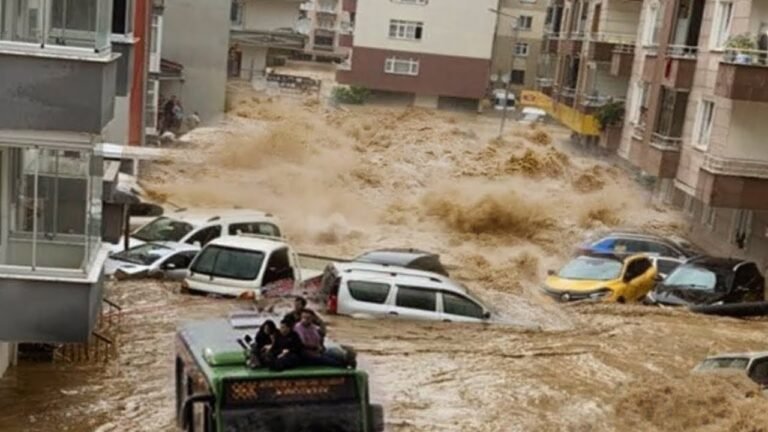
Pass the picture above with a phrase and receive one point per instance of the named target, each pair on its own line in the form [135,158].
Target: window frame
[191,238]
[649,24]
[127,34]
[350,290]
[443,295]
[702,128]
[521,73]
[525,19]
[524,52]
[391,62]
[720,35]
[401,288]
[400,29]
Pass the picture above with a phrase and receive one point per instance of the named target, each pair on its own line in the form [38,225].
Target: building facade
[695,117]
[325,23]
[435,52]
[524,43]
[264,33]
[59,78]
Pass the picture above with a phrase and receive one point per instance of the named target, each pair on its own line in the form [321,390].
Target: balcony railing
[735,167]
[544,82]
[613,38]
[665,143]
[682,51]
[638,131]
[577,35]
[568,92]
[553,35]
[593,100]
[624,49]
[746,57]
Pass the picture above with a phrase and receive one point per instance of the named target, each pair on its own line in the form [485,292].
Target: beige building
[525,43]
[325,23]
[437,52]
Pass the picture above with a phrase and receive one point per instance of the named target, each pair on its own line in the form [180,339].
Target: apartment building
[696,117]
[59,78]
[264,33]
[325,24]
[435,53]
[588,54]
[522,44]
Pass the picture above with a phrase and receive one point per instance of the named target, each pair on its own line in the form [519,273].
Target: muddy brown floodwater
[500,212]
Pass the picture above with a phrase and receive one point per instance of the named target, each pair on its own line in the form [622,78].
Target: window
[457,305]
[666,266]
[398,66]
[524,22]
[759,371]
[369,292]
[742,228]
[205,235]
[709,217]
[408,30]
[658,248]
[637,268]
[153,99]
[122,17]
[236,13]
[64,23]
[721,28]
[652,25]
[521,49]
[260,228]
[416,298]
[278,267]
[704,120]
[155,43]
[179,261]
[218,261]
[163,229]
[746,275]
[518,76]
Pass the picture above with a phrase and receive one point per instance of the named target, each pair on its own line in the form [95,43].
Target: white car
[245,265]
[203,225]
[166,260]
[374,290]
[752,364]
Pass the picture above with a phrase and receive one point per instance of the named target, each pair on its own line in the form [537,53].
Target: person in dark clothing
[168,115]
[287,347]
[299,306]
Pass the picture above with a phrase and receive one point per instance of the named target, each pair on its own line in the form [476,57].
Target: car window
[163,229]
[591,268]
[229,263]
[181,260]
[636,268]
[205,235]
[145,210]
[745,275]
[759,371]
[369,292]
[278,267]
[724,363]
[692,277]
[416,298]
[658,248]
[260,228]
[605,245]
[666,266]
[458,305]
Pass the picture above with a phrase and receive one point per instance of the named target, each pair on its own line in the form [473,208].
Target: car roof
[404,257]
[716,262]
[749,355]
[385,271]
[176,246]
[249,242]
[202,216]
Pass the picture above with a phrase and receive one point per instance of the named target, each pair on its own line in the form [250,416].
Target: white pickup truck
[247,265]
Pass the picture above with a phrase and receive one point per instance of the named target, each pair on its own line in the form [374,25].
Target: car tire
[737,310]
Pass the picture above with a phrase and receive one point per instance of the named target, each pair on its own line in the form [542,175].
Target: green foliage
[350,95]
[742,42]
[610,114]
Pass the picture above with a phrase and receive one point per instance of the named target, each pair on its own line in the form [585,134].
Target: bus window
[180,394]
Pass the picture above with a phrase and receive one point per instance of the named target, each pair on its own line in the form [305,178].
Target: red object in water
[332,304]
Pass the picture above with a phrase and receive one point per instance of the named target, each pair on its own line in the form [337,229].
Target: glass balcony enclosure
[50,211]
[64,25]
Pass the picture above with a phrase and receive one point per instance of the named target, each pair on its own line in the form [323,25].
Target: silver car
[165,260]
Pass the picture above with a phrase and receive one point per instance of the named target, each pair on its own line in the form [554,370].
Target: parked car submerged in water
[710,281]
[753,364]
[165,260]
[626,243]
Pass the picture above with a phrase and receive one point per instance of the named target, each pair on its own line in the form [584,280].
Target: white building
[326,26]
[439,51]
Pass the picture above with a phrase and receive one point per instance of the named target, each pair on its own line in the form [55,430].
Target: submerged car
[753,364]
[407,258]
[602,278]
[710,281]
[165,260]
[625,243]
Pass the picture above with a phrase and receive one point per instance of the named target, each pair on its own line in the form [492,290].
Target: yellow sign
[537,99]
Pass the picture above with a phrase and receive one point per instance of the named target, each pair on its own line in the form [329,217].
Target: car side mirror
[377,418]
[486,315]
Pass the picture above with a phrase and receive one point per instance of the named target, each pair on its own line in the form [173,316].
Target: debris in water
[538,136]
[551,163]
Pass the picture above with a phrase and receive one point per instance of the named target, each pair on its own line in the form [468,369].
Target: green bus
[217,392]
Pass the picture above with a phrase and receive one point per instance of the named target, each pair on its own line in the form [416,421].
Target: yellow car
[603,278]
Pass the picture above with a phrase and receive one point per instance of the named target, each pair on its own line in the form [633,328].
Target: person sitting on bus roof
[287,348]
[265,337]
[313,352]
[300,305]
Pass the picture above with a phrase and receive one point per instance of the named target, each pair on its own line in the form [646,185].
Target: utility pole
[515,28]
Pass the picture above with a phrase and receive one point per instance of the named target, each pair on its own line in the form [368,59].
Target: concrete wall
[7,356]
[747,132]
[196,34]
[117,130]
[270,14]
[451,27]
[254,62]
[42,311]
[124,68]
[53,94]
[618,17]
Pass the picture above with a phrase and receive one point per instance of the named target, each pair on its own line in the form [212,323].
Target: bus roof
[213,344]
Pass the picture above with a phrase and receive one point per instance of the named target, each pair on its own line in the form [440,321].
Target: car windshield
[163,229]
[694,277]
[229,263]
[588,268]
[145,254]
[724,363]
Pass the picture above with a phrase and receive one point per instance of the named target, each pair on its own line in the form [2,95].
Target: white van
[373,290]
[236,265]
[200,226]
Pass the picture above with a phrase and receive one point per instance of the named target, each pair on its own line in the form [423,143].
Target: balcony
[679,67]
[743,75]
[349,6]
[733,183]
[570,46]
[545,85]
[602,45]
[661,156]
[346,40]
[549,45]
[622,58]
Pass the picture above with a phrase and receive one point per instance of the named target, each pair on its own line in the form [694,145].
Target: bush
[610,114]
[351,95]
